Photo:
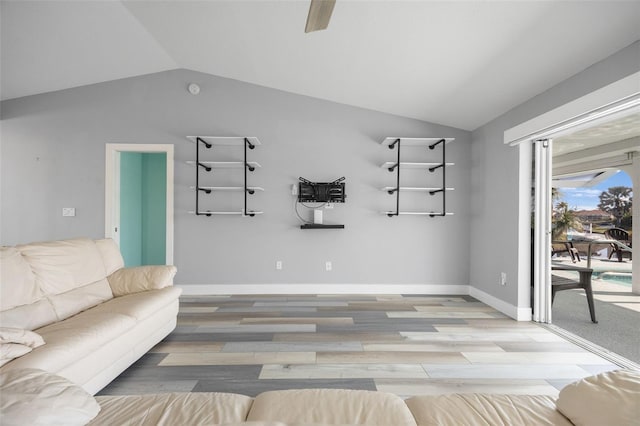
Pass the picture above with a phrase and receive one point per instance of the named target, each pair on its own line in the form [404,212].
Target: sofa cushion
[111,256]
[21,336]
[16,342]
[29,317]
[141,278]
[611,398]
[11,351]
[282,424]
[34,397]
[331,406]
[485,409]
[140,305]
[81,298]
[208,408]
[60,266]
[17,281]
[72,339]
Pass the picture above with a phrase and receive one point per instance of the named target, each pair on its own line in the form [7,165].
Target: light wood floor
[407,345]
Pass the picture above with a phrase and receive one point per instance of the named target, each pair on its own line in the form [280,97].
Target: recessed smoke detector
[194,89]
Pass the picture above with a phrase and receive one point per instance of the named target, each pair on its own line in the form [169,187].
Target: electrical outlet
[328,265]
[503,278]
[294,189]
[279,265]
[68,211]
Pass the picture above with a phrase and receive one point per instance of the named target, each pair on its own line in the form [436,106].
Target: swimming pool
[623,278]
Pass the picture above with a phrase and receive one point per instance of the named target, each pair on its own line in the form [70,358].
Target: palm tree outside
[616,200]
[563,220]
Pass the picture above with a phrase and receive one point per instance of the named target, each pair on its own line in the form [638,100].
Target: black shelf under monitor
[320,226]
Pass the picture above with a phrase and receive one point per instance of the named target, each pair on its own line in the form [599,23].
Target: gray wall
[52,156]
[494,175]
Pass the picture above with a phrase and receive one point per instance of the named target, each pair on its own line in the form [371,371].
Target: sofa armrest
[141,278]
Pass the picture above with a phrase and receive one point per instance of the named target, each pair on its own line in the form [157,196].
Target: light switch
[68,211]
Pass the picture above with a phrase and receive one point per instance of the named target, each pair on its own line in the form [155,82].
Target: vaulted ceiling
[459,63]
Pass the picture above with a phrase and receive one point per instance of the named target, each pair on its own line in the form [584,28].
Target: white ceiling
[459,63]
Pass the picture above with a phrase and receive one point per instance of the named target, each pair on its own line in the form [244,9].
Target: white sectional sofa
[95,316]
[35,397]
[611,398]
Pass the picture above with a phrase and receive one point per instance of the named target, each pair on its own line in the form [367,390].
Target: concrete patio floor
[617,309]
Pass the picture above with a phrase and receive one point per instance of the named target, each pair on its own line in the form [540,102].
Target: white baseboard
[226,289]
[519,314]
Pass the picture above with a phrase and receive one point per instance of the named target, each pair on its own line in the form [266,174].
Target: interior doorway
[139,201]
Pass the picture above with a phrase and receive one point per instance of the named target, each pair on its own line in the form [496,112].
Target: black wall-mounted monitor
[321,192]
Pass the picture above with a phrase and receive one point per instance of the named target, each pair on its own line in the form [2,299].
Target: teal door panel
[143,189]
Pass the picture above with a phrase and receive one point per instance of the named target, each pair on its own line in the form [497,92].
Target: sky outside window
[588,198]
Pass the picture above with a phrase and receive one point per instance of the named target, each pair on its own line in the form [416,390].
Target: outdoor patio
[617,308]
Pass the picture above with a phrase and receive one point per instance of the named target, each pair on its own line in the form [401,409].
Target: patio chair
[619,235]
[559,283]
[567,246]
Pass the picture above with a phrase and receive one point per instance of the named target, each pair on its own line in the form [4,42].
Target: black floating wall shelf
[398,165]
[320,226]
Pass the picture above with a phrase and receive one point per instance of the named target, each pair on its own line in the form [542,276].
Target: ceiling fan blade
[319,15]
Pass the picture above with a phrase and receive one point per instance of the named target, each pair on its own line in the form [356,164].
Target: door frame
[543,207]
[615,99]
[112,189]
